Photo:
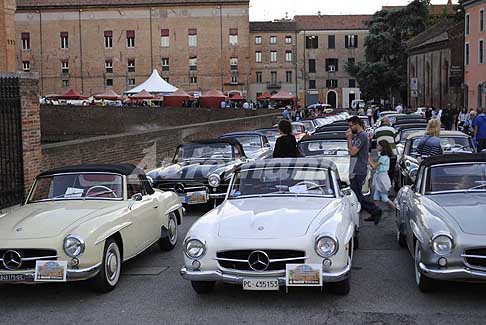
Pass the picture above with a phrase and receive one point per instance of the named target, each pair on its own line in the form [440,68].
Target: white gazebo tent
[154,85]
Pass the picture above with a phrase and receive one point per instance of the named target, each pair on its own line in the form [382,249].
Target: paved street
[382,292]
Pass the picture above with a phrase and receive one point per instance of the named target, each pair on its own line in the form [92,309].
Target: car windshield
[250,142]
[292,181]
[210,151]
[457,177]
[324,147]
[298,128]
[449,144]
[80,186]
[308,125]
[405,133]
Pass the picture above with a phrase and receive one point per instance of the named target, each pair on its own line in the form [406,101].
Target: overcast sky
[264,10]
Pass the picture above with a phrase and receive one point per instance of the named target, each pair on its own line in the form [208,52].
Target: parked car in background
[357,104]
[441,220]
[279,216]
[200,170]
[82,222]
[272,135]
[255,144]
[298,130]
[308,126]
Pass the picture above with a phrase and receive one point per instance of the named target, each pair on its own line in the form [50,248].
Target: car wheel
[340,288]
[423,283]
[109,275]
[170,241]
[402,241]
[203,287]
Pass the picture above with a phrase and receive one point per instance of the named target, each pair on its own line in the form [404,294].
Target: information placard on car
[260,284]
[304,275]
[50,271]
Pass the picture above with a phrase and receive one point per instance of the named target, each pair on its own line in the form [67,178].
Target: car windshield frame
[330,179]
[427,190]
[335,151]
[176,159]
[249,147]
[75,196]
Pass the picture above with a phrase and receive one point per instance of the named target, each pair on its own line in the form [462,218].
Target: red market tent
[237,98]
[283,96]
[265,95]
[142,95]
[212,99]
[108,95]
[72,94]
[176,99]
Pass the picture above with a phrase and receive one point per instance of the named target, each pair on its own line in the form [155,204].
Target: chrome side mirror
[347,191]
[134,199]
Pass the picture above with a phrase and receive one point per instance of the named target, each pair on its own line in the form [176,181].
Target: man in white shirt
[246,105]
[223,104]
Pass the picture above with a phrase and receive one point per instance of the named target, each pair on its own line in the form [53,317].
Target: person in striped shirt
[429,145]
[388,133]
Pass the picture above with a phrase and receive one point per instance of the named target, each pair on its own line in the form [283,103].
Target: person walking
[468,124]
[389,134]
[381,180]
[463,116]
[369,113]
[479,126]
[429,145]
[286,114]
[286,145]
[358,147]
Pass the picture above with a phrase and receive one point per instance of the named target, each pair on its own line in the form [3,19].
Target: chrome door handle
[156,206]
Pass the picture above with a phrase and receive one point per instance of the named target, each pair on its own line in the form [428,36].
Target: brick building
[436,67]
[7,36]
[97,44]
[475,57]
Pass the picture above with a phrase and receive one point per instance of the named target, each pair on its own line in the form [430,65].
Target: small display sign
[50,271]
[304,275]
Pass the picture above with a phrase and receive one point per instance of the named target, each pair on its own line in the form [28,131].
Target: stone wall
[144,148]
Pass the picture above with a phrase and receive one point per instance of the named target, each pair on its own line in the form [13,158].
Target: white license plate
[12,277]
[260,284]
[195,197]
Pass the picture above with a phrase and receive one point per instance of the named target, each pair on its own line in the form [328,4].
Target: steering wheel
[313,185]
[107,191]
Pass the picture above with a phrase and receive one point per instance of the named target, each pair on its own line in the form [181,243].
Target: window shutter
[164,32]
[233,31]
[130,33]
[356,39]
[192,31]
[64,34]
[346,41]
[108,33]
[25,35]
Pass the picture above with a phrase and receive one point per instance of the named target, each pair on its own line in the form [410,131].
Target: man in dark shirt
[358,147]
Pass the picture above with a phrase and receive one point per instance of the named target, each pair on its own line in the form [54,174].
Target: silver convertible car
[441,219]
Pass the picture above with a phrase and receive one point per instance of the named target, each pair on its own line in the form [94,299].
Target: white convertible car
[284,222]
[82,222]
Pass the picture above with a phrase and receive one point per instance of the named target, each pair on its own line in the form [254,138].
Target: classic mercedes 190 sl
[284,222]
[441,219]
[82,222]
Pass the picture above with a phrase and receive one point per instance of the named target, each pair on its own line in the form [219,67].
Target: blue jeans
[356,185]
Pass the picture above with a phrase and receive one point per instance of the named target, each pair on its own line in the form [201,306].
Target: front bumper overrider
[453,274]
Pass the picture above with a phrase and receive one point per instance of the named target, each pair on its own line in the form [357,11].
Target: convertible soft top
[289,163]
[123,169]
[455,158]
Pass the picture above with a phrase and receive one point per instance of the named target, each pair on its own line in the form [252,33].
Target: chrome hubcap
[112,264]
[418,257]
[172,230]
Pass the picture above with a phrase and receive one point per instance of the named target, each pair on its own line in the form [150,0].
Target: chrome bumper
[327,277]
[71,275]
[453,274]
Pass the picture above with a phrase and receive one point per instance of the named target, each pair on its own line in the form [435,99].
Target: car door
[412,197]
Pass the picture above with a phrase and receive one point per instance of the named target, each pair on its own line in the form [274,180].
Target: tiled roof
[332,22]
[437,33]
[435,10]
[35,4]
[271,26]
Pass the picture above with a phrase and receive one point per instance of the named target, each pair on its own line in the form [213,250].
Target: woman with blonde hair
[429,145]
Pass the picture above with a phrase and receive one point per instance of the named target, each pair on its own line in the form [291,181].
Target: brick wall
[64,123]
[145,149]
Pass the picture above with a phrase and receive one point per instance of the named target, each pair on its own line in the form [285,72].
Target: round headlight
[442,245]
[73,246]
[194,248]
[326,246]
[214,180]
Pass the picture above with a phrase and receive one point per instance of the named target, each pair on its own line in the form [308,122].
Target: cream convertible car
[82,222]
[285,222]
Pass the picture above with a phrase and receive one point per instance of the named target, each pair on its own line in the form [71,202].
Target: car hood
[190,170]
[268,218]
[50,219]
[466,209]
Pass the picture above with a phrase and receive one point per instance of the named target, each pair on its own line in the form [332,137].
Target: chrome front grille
[277,259]
[182,186]
[12,259]
[475,257]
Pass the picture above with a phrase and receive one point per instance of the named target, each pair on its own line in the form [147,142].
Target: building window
[193,79]
[65,83]
[193,64]
[351,41]
[273,39]
[258,40]
[64,40]
[481,51]
[481,20]
[258,57]
[131,65]
[312,42]
[131,82]
[192,37]
[466,54]
[164,38]
[65,66]
[331,65]
[234,78]
[25,41]
[288,39]
[331,41]
[288,77]
[352,83]
[288,56]
[108,39]
[312,84]
[312,65]
[259,77]
[467,24]
[273,76]
[108,66]
[234,63]
[165,64]
[109,82]
[130,38]
[26,66]
[273,56]
[331,83]
[233,36]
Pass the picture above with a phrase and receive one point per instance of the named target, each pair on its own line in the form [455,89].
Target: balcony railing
[274,85]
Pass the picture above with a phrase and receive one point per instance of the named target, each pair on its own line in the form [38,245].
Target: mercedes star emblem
[179,188]
[258,261]
[12,260]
